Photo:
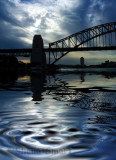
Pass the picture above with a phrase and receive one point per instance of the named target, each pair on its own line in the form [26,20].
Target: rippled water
[64,116]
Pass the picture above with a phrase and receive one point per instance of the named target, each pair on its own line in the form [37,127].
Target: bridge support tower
[38,57]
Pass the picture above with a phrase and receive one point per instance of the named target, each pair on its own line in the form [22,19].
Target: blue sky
[53,19]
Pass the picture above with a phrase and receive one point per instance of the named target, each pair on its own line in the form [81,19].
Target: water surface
[57,117]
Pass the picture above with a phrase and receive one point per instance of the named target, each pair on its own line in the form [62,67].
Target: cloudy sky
[53,19]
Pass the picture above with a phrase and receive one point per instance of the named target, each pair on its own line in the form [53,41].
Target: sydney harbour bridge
[101,37]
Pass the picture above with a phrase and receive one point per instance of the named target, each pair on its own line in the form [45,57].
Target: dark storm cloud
[5,15]
[77,19]
[11,29]
[103,11]
[109,10]
[89,13]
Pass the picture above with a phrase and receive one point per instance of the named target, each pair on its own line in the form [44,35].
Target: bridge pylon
[38,57]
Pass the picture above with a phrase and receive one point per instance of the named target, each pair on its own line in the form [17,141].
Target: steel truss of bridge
[101,37]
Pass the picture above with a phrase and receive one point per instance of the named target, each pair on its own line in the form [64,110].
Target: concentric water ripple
[68,122]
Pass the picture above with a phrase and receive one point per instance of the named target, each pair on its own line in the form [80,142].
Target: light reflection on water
[65,116]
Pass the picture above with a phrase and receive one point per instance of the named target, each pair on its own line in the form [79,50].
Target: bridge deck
[29,50]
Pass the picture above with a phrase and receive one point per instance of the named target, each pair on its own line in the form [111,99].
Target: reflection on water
[37,83]
[65,116]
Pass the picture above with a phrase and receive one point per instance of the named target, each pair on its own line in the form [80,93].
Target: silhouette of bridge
[101,37]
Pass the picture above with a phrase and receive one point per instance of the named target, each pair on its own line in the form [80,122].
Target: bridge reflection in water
[59,88]
[64,116]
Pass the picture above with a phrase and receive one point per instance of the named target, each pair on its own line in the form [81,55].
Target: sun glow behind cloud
[45,16]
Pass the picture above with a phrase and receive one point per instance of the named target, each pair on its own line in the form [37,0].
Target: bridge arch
[84,37]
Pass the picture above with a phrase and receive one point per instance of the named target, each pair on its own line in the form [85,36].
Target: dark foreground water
[62,117]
